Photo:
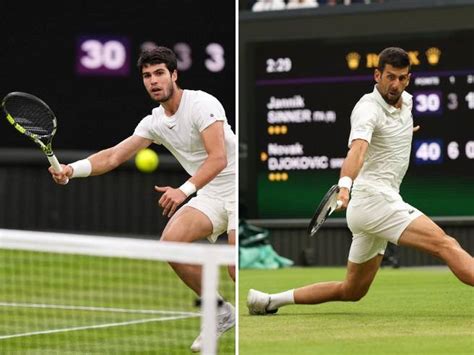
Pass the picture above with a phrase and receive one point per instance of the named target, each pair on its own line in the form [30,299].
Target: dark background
[323,78]
[315,39]
[39,56]
[375,25]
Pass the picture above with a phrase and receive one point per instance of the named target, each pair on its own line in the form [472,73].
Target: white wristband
[81,168]
[188,188]
[346,182]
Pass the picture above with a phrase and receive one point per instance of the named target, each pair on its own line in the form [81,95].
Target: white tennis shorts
[375,220]
[221,212]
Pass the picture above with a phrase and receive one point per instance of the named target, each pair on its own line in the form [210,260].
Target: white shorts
[375,220]
[221,212]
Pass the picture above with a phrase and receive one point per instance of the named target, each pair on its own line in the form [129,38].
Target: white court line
[99,309]
[108,325]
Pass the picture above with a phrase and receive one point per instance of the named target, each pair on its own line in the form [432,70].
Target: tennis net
[65,293]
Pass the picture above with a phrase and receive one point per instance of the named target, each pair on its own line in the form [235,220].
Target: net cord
[209,256]
[143,249]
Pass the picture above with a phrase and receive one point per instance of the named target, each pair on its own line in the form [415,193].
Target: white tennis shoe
[257,303]
[225,321]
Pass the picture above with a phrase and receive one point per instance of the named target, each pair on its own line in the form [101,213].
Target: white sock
[278,300]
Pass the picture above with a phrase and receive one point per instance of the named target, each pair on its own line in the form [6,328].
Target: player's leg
[215,210]
[358,279]
[422,233]
[231,240]
[187,225]
[231,211]
[226,312]
[365,256]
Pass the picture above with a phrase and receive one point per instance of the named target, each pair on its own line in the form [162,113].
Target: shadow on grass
[362,315]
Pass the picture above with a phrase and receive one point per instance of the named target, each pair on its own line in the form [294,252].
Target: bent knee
[452,242]
[175,236]
[354,294]
[173,265]
[446,244]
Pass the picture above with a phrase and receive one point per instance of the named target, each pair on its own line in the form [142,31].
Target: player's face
[391,83]
[159,82]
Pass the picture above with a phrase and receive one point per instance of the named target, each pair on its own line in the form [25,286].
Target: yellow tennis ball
[147,160]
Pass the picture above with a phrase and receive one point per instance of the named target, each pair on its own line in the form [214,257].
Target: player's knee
[453,243]
[172,236]
[174,265]
[446,244]
[354,294]
[165,237]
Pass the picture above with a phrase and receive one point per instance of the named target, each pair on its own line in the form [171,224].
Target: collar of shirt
[389,108]
[170,121]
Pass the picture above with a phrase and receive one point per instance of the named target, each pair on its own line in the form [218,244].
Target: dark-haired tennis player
[192,125]
[380,143]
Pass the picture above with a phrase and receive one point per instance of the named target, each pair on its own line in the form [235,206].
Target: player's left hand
[170,200]
[416,128]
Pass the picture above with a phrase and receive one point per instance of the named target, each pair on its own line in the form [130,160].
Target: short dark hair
[396,57]
[158,55]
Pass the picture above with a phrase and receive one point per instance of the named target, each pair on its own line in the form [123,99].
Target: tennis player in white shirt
[378,158]
[192,125]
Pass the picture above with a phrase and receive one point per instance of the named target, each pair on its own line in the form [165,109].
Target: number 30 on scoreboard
[427,103]
[103,55]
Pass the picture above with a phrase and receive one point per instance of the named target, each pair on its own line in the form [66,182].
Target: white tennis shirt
[389,131]
[181,135]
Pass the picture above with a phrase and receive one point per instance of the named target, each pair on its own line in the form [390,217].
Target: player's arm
[103,161]
[214,143]
[351,168]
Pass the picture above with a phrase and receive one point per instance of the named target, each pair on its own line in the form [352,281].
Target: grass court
[406,311]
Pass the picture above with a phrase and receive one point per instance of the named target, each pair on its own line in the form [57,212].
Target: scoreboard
[81,59]
[305,91]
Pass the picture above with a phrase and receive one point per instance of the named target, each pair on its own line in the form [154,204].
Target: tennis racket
[32,117]
[326,207]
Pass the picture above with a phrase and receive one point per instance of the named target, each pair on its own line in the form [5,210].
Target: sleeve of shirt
[208,111]
[144,130]
[363,122]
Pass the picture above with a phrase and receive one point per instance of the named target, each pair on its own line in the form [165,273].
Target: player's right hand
[61,178]
[344,197]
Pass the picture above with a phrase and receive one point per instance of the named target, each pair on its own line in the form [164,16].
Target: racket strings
[33,116]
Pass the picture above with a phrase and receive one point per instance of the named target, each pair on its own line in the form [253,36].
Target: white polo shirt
[389,131]
[181,135]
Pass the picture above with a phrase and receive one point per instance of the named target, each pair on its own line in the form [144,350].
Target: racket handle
[338,203]
[56,166]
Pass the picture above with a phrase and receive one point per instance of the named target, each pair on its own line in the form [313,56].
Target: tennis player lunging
[192,125]
[379,142]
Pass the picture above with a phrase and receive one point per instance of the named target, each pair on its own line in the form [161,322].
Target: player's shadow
[362,315]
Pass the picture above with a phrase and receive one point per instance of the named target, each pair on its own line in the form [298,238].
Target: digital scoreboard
[304,94]
[83,63]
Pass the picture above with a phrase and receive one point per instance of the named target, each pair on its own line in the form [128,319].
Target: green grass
[53,279]
[407,311]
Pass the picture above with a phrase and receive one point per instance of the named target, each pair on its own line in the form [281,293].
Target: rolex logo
[353,60]
[433,54]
